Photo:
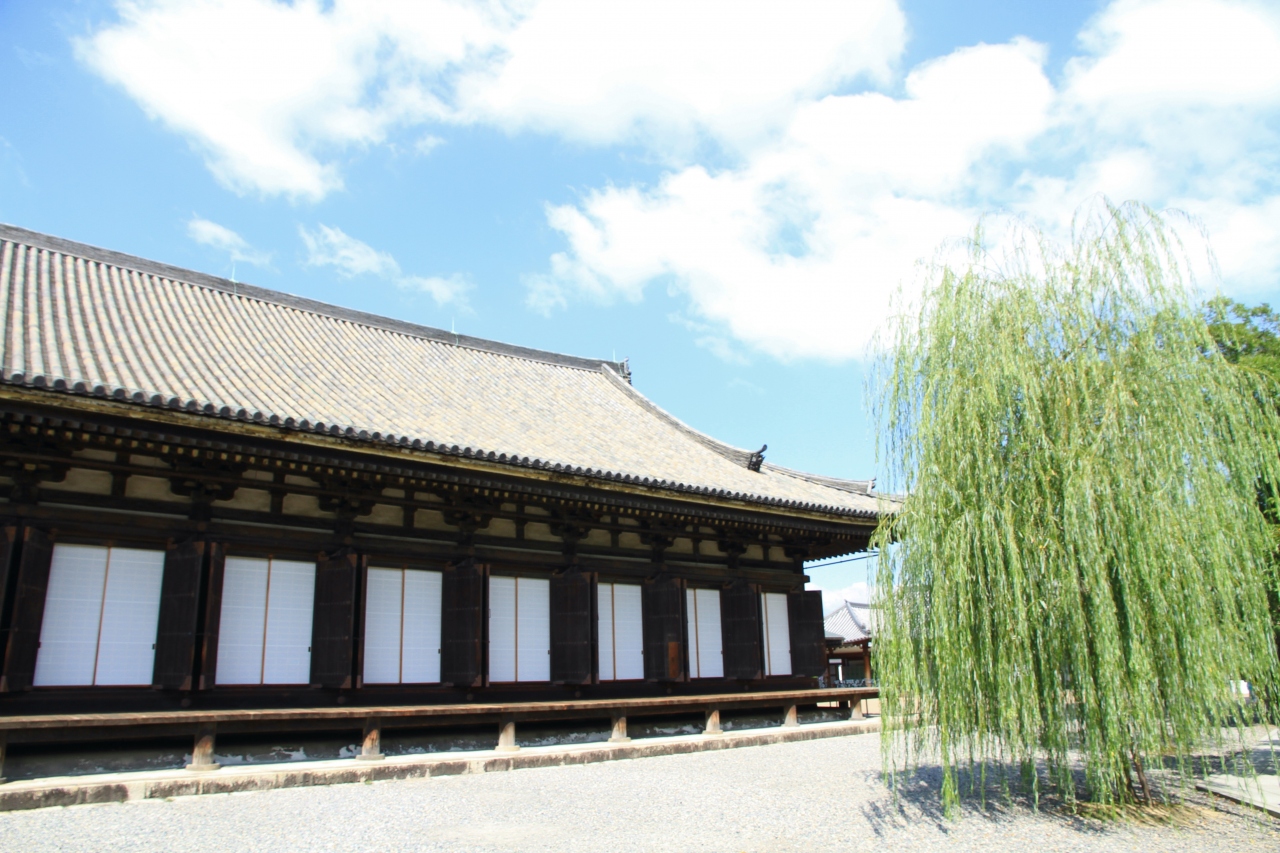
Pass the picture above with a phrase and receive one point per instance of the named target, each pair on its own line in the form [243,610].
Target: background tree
[1083,566]
[1248,336]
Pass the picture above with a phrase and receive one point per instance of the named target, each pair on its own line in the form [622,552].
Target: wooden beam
[604,708]
[106,429]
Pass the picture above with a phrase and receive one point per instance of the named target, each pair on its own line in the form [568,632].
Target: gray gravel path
[813,796]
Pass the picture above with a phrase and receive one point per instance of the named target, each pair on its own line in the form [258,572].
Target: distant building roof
[852,621]
[87,321]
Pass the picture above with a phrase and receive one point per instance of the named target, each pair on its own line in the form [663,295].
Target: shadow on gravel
[1003,796]
[918,798]
[1264,755]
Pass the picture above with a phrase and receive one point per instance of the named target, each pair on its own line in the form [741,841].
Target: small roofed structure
[849,631]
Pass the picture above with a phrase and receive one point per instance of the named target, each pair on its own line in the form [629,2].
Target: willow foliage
[1082,565]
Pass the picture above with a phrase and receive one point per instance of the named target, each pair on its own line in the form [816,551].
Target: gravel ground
[812,796]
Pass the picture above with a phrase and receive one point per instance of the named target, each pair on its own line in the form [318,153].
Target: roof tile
[88,321]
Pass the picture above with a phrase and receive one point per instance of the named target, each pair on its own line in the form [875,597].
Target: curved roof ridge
[845,621]
[852,607]
[857,487]
[181,275]
[734,454]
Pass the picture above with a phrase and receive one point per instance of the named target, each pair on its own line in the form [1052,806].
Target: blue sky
[725,193]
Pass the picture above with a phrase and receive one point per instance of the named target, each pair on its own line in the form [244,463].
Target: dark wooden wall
[198,535]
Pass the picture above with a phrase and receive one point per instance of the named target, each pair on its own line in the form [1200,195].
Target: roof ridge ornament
[757,459]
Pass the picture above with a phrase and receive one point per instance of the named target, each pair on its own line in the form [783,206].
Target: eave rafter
[209,469]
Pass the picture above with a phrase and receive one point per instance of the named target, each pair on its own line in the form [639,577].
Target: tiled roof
[851,620]
[87,321]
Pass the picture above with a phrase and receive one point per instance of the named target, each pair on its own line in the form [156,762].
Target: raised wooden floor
[204,725]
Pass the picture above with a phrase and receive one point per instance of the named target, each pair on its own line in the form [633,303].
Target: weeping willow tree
[1082,567]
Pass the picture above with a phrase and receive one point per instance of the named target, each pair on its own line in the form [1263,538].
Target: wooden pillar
[28,611]
[740,626]
[808,637]
[789,719]
[4,743]
[507,736]
[463,625]
[202,752]
[371,747]
[333,619]
[712,726]
[663,627]
[573,626]
[179,610]
[619,734]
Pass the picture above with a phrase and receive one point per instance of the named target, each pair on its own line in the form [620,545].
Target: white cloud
[270,93]
[792,201]
[333,247]
[666,72]
[208,233]
[796,250]
[426,144]
[832,598]
[1145,55]
[442,290]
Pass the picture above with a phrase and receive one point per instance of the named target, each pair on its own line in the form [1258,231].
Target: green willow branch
[1083,567]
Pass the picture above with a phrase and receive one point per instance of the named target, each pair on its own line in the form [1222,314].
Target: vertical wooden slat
[179,614]
[808,649]
[740,628]
[8,577]
[462,621]
[333,626]
[664,642]
[595,631]
[572,620]
[28,610]
[212,616]
[362,618]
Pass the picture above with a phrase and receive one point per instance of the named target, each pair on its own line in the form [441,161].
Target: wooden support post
[202,752]
[619,734]
[371,748]
[4,743]
[789,719]
[507,736]
[712,726]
